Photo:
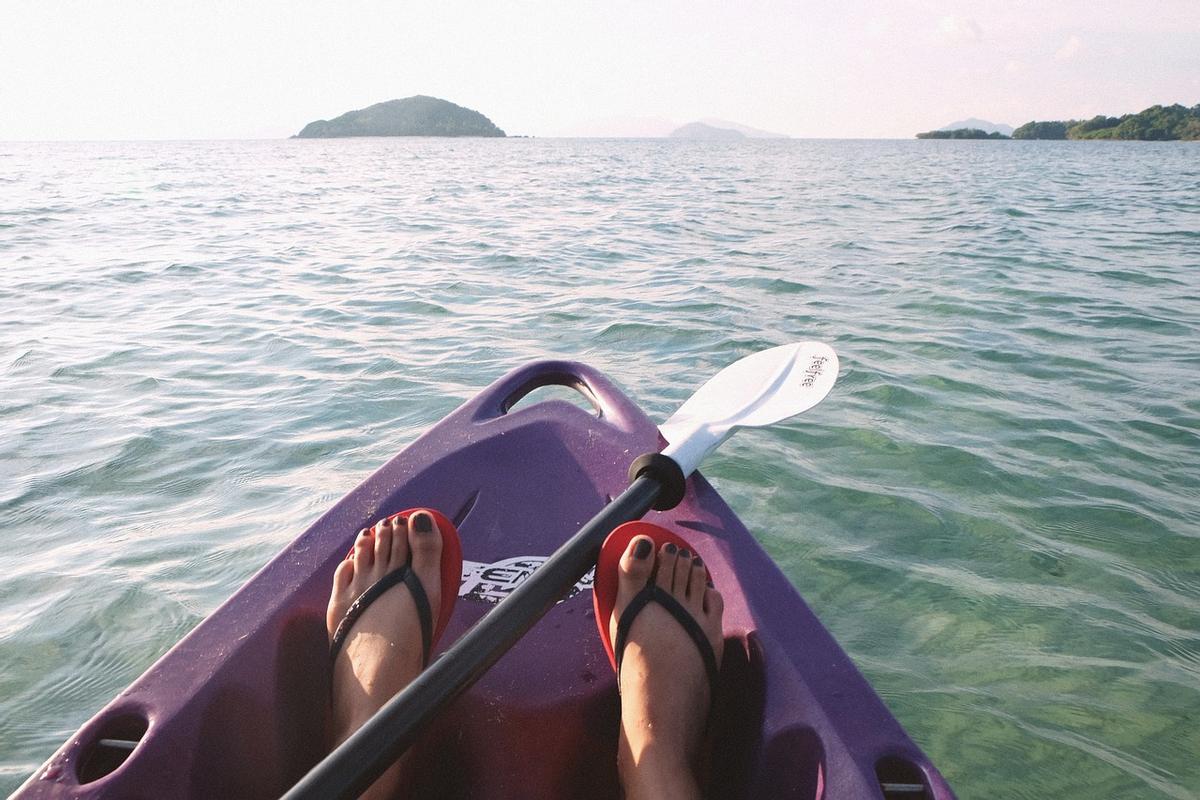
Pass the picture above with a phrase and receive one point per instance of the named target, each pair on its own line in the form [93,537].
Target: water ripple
[203,345]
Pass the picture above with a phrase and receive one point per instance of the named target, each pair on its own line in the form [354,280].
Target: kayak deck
[239,707]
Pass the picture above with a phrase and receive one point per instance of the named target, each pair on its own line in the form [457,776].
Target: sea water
[205,344]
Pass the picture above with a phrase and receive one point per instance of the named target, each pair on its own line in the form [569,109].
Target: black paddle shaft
[355,764]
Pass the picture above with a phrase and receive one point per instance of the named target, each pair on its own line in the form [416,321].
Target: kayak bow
[238,707]
[757,390]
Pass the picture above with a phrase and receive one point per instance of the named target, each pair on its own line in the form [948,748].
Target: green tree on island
[1156,123]
[961,133]
[1041,130]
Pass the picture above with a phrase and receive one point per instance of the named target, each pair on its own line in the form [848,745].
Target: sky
[209,69]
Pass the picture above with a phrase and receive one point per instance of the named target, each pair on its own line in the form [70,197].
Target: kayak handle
[550,379]
[499,398]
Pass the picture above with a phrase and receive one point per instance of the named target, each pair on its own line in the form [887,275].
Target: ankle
[656,771]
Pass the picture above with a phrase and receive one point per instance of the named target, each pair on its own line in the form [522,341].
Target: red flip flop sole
[604,588]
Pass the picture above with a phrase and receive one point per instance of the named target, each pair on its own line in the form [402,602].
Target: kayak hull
[240,707]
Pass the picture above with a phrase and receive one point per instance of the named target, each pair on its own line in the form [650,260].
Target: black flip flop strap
[653,594]
[372,594]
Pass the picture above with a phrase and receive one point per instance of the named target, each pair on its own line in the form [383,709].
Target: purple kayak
[239,707]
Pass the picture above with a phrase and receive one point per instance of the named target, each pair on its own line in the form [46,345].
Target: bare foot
[383,651]
[665,693]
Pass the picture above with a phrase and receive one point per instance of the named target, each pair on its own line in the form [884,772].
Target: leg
[383,651]
[665,695]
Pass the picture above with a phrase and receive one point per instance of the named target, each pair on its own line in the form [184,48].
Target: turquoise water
[204,345]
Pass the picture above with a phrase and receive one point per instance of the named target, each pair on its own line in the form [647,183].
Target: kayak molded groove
[239,707]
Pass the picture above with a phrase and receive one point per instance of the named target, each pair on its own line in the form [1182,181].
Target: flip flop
[451,577]
[604,597]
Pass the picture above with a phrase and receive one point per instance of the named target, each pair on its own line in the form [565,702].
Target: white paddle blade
[760,389]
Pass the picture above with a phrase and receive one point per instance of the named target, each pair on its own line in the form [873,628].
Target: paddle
[758,390]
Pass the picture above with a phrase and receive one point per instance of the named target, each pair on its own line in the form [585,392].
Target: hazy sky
[213,69]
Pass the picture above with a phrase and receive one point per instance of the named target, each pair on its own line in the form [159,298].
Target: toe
[668,554]
[400,547]
[364,553]
[697,583]
[683,572]
[633,573]
[714,605]
[342,576]
[383,545]
[341,597]
[634,568]
[425,544]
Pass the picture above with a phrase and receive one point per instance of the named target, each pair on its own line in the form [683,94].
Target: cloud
[959,29]
[1070,48]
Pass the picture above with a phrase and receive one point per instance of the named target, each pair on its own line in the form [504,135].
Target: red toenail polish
[671,548]
[422,523]
[642,550]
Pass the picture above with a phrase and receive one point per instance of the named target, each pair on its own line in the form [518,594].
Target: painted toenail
[671,548]
[422,523]
[685,553]
[697,562]
[642,550]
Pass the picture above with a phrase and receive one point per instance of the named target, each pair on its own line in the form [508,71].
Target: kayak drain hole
[110,746]
[900,779]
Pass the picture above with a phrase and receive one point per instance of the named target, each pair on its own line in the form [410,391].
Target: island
[706,132]
[1154,124]
[412,116]
[982,124]
[961,133]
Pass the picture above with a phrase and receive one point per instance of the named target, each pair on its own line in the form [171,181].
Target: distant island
[961,133]
[980,124]
[706,132]
[1154,124]
[413,116]
[721,130]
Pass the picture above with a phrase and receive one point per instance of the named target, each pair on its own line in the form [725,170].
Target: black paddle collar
[668,474]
